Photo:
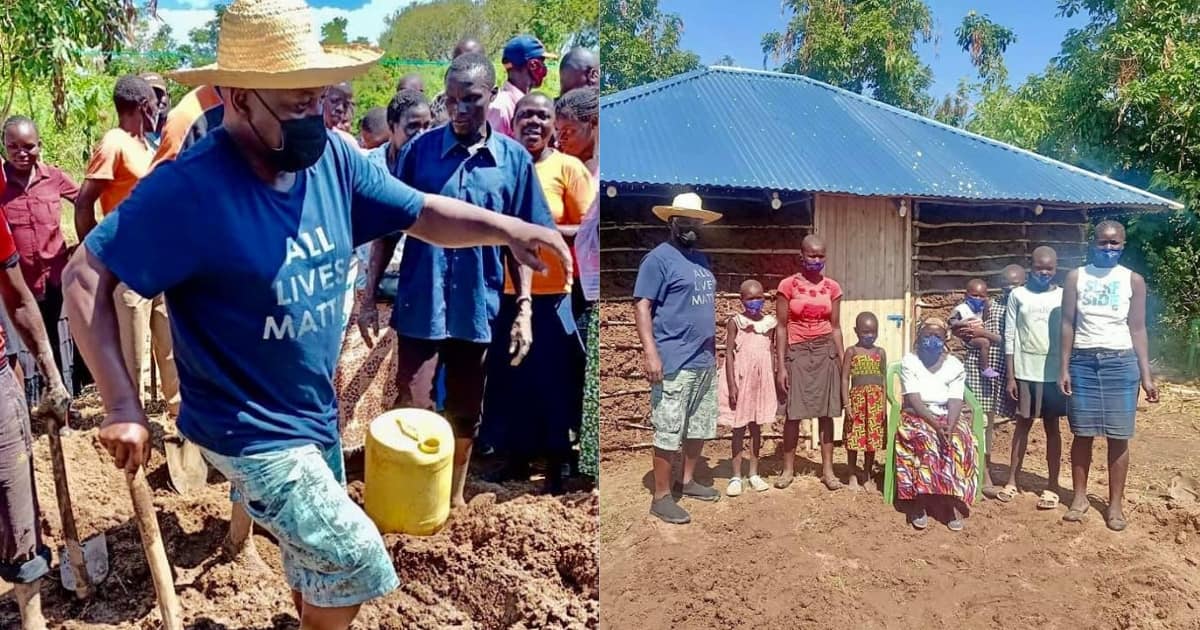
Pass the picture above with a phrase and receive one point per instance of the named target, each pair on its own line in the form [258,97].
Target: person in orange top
[123,158]
[530,409]
[197,113]
[123,155]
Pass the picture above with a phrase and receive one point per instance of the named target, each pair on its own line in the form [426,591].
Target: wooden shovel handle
[83,582]
[156,554]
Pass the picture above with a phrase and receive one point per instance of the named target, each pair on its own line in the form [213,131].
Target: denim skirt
[1104,393]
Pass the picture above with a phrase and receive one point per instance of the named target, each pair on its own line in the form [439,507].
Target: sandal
[1116,523]
[955,525]
[1075,516]
[1049,500]
[784,481]
[920,522]
[1007,493]
[990,491]
[832,483]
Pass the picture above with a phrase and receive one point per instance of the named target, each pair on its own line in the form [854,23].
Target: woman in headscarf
[1106,353]
[936,458]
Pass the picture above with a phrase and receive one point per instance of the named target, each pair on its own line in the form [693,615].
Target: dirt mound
[511,559]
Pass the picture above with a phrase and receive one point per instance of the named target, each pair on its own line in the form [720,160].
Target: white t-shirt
[963,313]
[1032,332]
[936,389]
[1102,308]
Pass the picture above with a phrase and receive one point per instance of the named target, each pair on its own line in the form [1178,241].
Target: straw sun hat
[686,205]
[271,44]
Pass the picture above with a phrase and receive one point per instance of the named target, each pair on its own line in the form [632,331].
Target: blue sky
[713,28]
[365,17]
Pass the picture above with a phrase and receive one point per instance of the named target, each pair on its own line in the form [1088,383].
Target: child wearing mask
[746,383]
[863,378]
[969,316]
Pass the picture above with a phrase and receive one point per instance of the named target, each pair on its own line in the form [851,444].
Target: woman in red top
[32,200]
[809,349]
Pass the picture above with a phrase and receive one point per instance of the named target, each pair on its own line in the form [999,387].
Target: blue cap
[522,49]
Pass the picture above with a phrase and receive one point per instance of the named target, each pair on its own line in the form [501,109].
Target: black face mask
[686,236]
[303,141]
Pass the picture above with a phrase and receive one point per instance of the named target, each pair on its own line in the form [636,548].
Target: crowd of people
[246,233]
[1033,350]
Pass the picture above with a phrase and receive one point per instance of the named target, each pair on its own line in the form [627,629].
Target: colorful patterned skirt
[927,465]
[589,434]
[867,418]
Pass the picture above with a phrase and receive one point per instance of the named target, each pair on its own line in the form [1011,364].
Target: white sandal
[759,484]
[735,487]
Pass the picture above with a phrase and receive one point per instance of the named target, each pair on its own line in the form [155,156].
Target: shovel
[82,566]
[186,467]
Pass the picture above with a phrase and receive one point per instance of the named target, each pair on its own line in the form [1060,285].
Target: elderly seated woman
[936,462]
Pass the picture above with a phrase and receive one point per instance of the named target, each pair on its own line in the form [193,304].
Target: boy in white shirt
[1031,349]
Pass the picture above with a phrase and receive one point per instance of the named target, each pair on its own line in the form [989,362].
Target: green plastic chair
[895,402]
[1193,346]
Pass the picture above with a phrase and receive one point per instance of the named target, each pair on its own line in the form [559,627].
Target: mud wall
[752,240]
[953,243]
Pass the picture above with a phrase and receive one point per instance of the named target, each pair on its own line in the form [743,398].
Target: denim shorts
[1104,393]
[332,552]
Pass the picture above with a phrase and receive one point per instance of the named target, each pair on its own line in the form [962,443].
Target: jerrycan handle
[428,445]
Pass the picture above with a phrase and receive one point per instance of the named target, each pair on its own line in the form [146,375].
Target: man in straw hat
[253,257]
[677,324]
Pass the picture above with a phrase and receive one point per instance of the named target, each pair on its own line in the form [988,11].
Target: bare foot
[853,485]
[29,602]
[869,485]
[245,552]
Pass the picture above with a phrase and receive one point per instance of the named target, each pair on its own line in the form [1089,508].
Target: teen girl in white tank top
[1102,308]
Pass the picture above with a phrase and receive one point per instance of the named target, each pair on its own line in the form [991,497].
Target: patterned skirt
[927,465]
[867,418]
[589,434]
[365,380]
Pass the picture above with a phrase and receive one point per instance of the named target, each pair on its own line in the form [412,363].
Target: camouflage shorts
[684,407]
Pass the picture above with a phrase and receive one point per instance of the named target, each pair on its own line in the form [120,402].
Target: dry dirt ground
[512,559]
[806,558]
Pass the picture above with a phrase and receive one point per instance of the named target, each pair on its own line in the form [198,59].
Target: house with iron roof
[909,208]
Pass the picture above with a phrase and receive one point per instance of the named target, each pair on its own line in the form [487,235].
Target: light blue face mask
[753,306]
[1106,258]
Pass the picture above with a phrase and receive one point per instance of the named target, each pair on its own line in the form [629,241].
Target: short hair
[579,58]
[402,102]
[472,63]
[750,284]
[1109,224]
[1044,250]
[465,44]
[18,120]
[130,92]
[581,105]
[864,317]
[374,121]
[980,281]
[412,76]
[535,96]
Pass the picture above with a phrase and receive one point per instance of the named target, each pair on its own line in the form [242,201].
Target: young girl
[746,384]
[863,378]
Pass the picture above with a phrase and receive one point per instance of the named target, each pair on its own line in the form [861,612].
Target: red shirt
[35,219]
[8,260]
[810,307]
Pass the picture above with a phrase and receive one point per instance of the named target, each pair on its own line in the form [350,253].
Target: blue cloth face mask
[753,306]
[866,340]
[814,267]
[930,347]
[1106,258]
[976,303]
[1039,282]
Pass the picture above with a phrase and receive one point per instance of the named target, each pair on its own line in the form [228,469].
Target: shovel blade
[185,465]
[95,557]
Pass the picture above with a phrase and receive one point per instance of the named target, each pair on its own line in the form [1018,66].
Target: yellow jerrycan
[410,455]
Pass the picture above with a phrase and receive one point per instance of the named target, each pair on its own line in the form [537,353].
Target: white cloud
[366,21]
[197,4]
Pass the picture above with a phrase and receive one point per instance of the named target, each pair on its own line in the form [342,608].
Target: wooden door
[867,243]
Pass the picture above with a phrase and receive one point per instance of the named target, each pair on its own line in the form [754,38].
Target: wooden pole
[62,491]
[156,553]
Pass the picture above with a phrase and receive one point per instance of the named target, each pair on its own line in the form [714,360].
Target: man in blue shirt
[253,257]
[448,299]
[677,324]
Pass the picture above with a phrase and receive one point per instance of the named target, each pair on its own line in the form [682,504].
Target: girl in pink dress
[746,383]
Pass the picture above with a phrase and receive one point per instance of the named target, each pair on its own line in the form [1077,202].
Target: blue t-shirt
[256,281]
[681,291]
[455,293]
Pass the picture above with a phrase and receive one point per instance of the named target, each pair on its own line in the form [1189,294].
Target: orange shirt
[120,160]
[567,185]
[197,113]
[810,307]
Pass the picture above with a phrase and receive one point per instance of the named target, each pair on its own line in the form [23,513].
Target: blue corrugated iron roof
[767,130]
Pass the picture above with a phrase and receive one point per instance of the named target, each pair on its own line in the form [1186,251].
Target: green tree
[562,23]
[40,42]
[333,32]
[725,60]
[429,30]
[954,108]
[639,43]
[201,48]
[986,42]
[866,46]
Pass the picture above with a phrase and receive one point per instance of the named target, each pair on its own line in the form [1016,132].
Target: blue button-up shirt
[455,293]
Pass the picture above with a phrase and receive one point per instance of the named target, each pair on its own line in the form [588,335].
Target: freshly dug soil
[806,558]
[513,558]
